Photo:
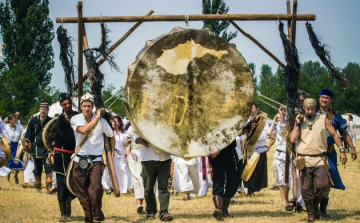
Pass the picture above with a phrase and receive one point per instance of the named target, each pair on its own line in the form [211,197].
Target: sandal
[150,217]
[291,205]
[166,217]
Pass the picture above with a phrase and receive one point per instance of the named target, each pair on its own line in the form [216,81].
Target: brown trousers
[314,177]
[89,191]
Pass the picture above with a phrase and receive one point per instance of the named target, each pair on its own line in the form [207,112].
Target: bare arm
[347,138]
[337,140]
[295,133]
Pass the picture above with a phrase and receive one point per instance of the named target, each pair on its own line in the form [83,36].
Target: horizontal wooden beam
[199,17]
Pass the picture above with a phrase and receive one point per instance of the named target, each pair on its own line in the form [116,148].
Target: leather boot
[49,188]
[226,202]
[38,183]
[323,206]
[68,208]
[62,206]
[310,209]
[218,208]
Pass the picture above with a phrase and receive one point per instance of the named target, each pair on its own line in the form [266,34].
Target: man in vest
[310,136]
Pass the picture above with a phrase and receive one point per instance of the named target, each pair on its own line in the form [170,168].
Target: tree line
[28,58]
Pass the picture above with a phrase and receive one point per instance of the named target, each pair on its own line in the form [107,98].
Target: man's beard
[309,116]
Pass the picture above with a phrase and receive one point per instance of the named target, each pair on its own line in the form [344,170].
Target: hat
[87,97]
[44,105]
[64,96]
[310,103]
[327,92]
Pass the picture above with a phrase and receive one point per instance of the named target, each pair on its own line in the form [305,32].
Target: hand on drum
[142,142]
[214,154]
[26,148]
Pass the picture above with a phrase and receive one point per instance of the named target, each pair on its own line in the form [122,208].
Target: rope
[187,20]
[270,99]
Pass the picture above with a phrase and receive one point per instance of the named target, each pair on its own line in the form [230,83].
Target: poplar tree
[27,30]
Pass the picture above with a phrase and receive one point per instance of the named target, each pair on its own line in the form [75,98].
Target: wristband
[342,149]
[297,124]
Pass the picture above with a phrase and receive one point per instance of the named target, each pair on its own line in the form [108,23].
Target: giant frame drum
[188,93]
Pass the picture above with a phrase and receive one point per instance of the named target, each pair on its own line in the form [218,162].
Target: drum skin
[188,93]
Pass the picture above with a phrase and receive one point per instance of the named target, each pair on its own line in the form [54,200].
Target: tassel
[66,57]
[324,56]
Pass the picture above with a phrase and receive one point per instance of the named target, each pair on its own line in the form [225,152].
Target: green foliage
[219,28]
[116,105]
[28,32]
[313,78]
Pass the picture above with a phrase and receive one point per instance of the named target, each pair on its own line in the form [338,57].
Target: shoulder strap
[86,137]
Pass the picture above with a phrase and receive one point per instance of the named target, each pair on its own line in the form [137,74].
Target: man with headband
[64,148]
[38,150]
[310,136]
[326,99]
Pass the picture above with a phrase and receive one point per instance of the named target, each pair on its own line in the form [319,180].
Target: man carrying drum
[88,162]
[64,148]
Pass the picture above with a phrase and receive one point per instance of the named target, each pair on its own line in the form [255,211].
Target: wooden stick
[293,28]
[198,17]
[112,48]
[256,42]
[80,50]
[289,21]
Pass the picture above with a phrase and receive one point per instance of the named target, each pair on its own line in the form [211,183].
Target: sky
[337,22]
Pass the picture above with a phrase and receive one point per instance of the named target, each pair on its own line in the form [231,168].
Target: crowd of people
[145,172]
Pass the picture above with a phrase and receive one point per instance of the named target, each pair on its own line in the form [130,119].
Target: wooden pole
[112,48]
[198,17]
[289,20]
[294,17]
[256,42]
[80,51]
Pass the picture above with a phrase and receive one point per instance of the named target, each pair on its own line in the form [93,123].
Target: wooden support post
[293,28]
[80,50]
[198,17]
[256,42]
[112,48]
[289,20]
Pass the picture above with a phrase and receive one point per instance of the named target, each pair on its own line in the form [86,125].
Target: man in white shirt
[87,169]
[155,166]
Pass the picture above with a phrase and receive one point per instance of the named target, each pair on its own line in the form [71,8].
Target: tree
[252,66]
[28,32]
[217,27]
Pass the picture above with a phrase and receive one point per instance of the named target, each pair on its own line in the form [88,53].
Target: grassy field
[25,205]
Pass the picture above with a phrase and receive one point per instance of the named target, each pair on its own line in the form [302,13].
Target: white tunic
[94,145]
